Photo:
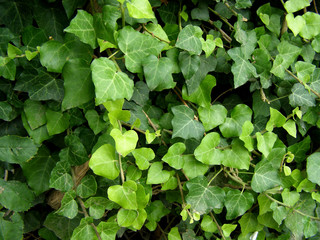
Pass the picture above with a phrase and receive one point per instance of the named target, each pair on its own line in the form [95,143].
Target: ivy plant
[156,119]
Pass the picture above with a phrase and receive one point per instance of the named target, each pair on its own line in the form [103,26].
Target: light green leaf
[242,69]
[95,121]
[295,5]
[237,157]
[12,227]
[279,213]
[266,142]
[103,162]
[311,29]
[98,205]
[37,170]
[109,82]
[158,73]
[247,129]
[313,164]
[265,177]
[143,156]
[57,122]
[171,184]
[35,113]
[290,127]
[87,187]
[136,47]
[133,173]
[125,143]
[193,168]
[108,230]
[208,225]
[203,198]
[290,198]
[13,51]
[184,125]
[237,203]
[156,175]
[276,119]
[304,70]
[271,17]
[15,149]
[201,96]
[213,116]
[206,151]
[125,217]
[60,178]
[174,234]
[69,207]
[310,228]
[287,55]
[139,221]
[15,195]
[140,9]
[301,97]
[7,68]
[124,195]
[82,26]
[209,45]
[76,72]
[232,127]
[189,39]
[174,155]
[227,229]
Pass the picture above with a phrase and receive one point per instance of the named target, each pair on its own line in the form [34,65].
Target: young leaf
[213,116]
[69,207]
[208,225]
[206,151]
[125,217]
[95,121]
[110,83]
[194,168]
[295,5]
[143,156]
[184,125]
[247,129]
[237,157]
[124,195]
[84,230]
[202,197]
[98,205]
[174,234]
[266,142]
[125,143]
[108,230]
[313,163]
[237,203]
[174,155]
[276,119]
[156,175]
[311,29]
[103,162]
[140,9]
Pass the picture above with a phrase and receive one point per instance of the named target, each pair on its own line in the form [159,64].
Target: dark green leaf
[35,113]
[313,163]
[237,203]
[95,121]
[71,5]
[69,207]
[189,39]
[60,177]
[301,97]
[57,122]
[11,228]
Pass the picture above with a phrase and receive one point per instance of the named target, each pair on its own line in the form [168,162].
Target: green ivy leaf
[184,125]
[313,163]
[95,121]
[110,84]
[140,9]
[15,195]
[237,203]
[242,69]
[84,230]
[295,5]
[295,24]
[189,64]
[125,143]
[300,149]
[265,177]
[301,97]
[7,112]
[290,198]
[76,72]
[82,26]
[174,155]
[304,70]
[75,153]
[189,39]
[57,122]
[193,168]
[60,178]
[276,119]
[290,127]
[232,127]
[202,197]
[143,156]
[12,227]
[69,207]
[202,96]
[311,29]
[213,116]
[158,73]
[136,47]
[247,129]
[98,205]
[237,157]
[7,68]
[108,230]
[35,113]
[249,223]
[103,162]
[206,151]
[208,225]
[15,149]
[156,210]
[71,5]
[174,234]
[209,45]
[125,217]
[156,175]
[271,17]
[124,195]
[227,229]
[87,187]
[265,142]
[37,170]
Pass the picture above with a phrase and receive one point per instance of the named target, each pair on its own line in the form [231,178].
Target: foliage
[165,119]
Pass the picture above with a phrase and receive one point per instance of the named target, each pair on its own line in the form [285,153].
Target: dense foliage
[137,119]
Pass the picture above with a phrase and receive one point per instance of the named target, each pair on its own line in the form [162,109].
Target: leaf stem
[180,189]
[153,126]
[179,18]
[221,17]
[315,6]
[221,169]
[224,35]
[181,99]
[293,209]
[122,15]
[151,33]
[121,170]
[230,8]
[112,58]
[218,226]
[87,215]
[228,90]
[238,180]
[112,55]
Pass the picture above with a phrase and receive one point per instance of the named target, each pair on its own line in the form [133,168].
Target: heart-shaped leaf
[295,24]
[124,195]
[156,175]
[125,143]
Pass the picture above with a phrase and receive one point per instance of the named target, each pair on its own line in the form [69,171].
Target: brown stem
[218,226]
[315,6]
[230,89]
[221,17]
[181,99]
